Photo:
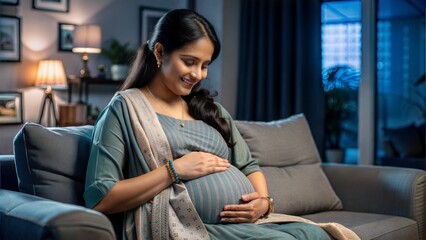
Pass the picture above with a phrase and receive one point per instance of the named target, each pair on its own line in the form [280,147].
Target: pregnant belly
[212,192]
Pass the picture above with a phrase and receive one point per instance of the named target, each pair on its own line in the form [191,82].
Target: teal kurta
[115,152]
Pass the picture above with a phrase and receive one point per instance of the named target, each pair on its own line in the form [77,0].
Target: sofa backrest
[51,162]
[290,161]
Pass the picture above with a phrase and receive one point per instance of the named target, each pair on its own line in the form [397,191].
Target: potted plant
[340,84]
[120,55]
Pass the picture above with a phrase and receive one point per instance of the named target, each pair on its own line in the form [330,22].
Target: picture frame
[148,17]
[9,2]
[10,39]
[65,36]
[52,5]
[11,108]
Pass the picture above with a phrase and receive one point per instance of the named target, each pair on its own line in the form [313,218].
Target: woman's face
[185,67]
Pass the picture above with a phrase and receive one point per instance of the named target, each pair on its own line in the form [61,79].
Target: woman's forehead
[202,49]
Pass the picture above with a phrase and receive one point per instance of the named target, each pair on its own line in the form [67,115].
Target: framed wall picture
[148,17]
[52,5]
[10,108]
[10,39]
[9,2]
[65,36]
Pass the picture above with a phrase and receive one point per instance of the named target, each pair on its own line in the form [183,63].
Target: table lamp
[50,76]
[87,39]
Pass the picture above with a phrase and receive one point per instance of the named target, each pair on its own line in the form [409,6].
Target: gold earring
[158,64]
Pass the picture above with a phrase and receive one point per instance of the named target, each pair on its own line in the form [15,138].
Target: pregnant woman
[168,159]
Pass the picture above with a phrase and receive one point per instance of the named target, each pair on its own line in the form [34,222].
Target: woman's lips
[188,83]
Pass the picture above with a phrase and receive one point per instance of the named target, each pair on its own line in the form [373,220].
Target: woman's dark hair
[174,30]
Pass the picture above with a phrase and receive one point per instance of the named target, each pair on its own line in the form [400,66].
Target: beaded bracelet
[172,171]
[172,167]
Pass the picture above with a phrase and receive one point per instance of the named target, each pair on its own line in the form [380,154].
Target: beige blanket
[336,230]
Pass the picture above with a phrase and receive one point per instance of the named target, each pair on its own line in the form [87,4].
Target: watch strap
[270,206]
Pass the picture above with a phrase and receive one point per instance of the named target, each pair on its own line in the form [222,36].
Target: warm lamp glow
[87,39]
[51,74]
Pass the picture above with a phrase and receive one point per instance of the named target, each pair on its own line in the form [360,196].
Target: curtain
[280,62]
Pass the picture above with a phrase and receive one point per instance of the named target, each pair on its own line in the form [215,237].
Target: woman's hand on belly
[251,209]
[197,164]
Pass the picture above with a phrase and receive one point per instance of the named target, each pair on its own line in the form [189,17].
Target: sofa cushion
[290,161]
[371,226]
[301,189]
[280,143]
[51,162]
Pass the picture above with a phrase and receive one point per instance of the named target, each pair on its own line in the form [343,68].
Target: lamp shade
[87,39]
[51,74]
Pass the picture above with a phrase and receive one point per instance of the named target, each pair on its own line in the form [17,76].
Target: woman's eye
[189,63]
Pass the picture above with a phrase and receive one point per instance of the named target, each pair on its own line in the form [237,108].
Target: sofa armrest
[8,178]
[23,216]
[382,190]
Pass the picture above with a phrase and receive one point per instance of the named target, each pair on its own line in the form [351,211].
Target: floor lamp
[50,76]
[87,39]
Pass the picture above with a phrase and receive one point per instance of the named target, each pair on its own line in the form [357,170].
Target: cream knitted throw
[336,230]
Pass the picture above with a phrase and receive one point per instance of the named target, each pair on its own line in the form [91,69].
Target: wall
[118,19]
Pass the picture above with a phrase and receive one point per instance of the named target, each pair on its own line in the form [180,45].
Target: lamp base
[48,99]
[85,72]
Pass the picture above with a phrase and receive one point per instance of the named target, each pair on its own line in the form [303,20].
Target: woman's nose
[196,73]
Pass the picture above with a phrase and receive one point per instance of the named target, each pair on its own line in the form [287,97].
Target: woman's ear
[158,51]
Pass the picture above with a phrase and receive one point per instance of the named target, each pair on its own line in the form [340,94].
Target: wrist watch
[270,206]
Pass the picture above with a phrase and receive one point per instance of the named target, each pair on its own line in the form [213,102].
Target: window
[400,69]
[341,64]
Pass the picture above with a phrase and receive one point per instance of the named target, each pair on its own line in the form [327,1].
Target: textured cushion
[280,143]
[51,162]
[301,189]
[212,192]
[406,141]
[298,185]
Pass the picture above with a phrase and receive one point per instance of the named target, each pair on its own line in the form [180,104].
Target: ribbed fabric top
[212,192]
[195,136]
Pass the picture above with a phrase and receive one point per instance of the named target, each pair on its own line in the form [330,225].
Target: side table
[84,84]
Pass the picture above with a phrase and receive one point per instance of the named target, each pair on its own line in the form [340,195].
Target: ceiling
[350,10]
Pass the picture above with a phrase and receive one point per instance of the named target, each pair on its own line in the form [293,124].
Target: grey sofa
[46,202]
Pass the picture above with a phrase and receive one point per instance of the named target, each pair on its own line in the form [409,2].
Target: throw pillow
[301,189]
[212,192]
[406,141]
[51,162]
[280,143]
[290,161]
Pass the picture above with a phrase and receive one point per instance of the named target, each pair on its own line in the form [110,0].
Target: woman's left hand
[251,209]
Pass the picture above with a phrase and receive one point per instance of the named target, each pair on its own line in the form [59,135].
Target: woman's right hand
[197,164]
